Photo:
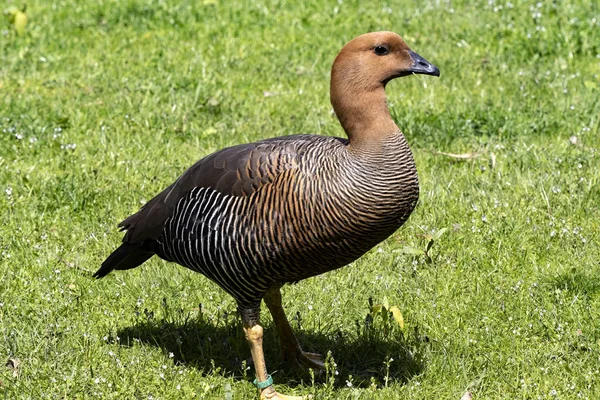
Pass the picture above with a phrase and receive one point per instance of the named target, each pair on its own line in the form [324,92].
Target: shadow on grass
[218,346]
[577,281]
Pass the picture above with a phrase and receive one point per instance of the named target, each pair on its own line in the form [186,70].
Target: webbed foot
[304,359]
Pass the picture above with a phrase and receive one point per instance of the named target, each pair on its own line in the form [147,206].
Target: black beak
[422,66]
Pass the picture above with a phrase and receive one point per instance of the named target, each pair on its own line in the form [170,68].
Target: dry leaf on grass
[467,396]
[13,363]
[463,156]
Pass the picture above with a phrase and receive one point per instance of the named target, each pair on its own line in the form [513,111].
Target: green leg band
[265,384]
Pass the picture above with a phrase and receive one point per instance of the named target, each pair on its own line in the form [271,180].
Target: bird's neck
[363,114]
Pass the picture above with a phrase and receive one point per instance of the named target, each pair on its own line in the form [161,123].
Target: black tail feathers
[127,256]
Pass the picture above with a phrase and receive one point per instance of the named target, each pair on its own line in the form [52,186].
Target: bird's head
[371,60]
[358,78]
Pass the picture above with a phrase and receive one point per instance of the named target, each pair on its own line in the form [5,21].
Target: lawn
[105,103]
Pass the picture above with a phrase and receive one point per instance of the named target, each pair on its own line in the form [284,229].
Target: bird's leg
[290,347]
[254,336]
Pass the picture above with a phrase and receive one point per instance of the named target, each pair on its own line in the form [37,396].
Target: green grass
[104,103]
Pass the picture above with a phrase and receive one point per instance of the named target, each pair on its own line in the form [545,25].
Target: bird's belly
[246,248]
[345,240]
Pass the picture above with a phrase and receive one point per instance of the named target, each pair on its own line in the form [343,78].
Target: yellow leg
[254,336]
[290,347]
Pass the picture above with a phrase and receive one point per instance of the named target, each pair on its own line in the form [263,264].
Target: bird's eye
[381,50]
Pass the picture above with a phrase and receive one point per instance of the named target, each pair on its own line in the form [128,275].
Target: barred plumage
[254,217]
[248,244]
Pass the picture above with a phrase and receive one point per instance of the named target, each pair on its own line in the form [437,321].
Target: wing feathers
[237,171]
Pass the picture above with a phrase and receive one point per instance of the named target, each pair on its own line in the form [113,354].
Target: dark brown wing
[237,171]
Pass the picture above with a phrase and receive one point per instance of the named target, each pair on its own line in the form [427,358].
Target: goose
[256,216]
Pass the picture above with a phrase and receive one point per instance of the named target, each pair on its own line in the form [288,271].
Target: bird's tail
[127,256]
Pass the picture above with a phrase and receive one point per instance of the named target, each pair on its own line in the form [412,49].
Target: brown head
[358,78]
